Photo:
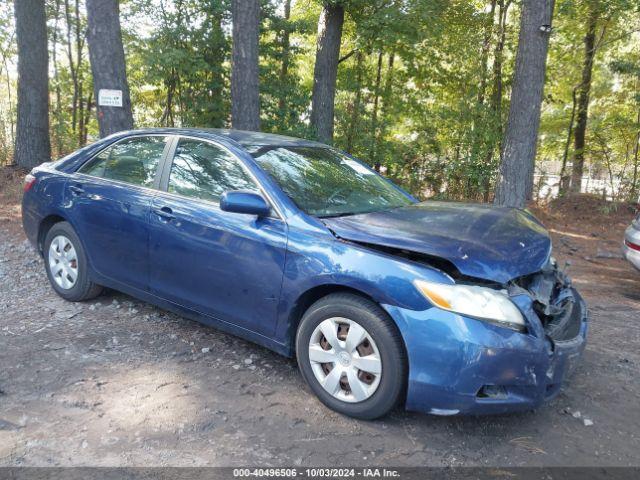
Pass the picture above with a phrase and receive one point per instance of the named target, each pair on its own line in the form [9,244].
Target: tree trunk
[496,95]
[284,68]
[521,135]
[583,102]
[217,114]
[7,79]
[495,121]
[87,116]
[565,181]
[73,68]
[56,78]
[245,93]
[484,57]
[386,101]
[79,72]
[479,117]
[636,160]
[167,119]
[374,114]
[326,69]
[355,110]
[108,64]
[33,146]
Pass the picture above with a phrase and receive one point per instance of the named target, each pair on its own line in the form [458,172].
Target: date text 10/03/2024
[317,472]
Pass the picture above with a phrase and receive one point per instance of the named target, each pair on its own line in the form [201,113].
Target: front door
[225,265]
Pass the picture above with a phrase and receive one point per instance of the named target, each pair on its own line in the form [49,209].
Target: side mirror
[240,201]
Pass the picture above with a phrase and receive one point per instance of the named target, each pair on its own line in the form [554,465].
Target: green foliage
[422,92]
[72,113]
[613,124]
[284,97]
[7,83]
[178,69]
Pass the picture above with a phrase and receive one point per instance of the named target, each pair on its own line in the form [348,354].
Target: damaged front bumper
[460,365]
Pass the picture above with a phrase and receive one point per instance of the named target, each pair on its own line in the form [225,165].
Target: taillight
[29,182]
[632,246]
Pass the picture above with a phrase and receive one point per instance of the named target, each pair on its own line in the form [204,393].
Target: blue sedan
[448,308]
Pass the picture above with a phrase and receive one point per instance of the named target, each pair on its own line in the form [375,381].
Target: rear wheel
[66,264]
[351,355]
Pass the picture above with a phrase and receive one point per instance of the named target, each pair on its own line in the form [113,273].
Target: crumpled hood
[482,241]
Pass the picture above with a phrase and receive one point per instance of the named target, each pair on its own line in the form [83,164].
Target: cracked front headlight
[477,302]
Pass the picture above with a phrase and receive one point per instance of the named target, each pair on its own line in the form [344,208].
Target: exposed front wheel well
[45,226]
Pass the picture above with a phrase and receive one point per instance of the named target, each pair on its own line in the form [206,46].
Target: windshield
[326,183]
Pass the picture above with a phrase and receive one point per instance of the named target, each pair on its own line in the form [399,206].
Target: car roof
[243,137]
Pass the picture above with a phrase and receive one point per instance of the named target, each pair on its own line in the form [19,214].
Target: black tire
[84,288]
[384,333]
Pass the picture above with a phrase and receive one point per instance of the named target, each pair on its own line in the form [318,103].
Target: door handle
[165,212]
[76,190]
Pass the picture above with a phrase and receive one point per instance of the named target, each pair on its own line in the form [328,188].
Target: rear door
[110,198]
[226,265]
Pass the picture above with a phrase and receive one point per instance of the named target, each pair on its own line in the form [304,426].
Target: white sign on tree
[110,98]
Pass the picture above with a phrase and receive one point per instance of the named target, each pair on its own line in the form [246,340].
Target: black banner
[404,473]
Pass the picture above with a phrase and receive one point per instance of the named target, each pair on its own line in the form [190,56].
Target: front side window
[133,160]
[205,171]
[324,182]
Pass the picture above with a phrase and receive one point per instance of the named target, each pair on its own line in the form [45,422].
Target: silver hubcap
[63,262]
[345,359]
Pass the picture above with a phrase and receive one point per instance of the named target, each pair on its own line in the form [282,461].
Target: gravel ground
[117,382]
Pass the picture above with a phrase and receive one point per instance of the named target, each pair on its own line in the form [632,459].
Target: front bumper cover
[452,357]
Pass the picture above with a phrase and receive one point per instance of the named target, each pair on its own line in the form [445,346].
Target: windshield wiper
[336,215]
[348,214]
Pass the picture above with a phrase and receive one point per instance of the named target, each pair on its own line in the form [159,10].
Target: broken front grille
[564,325]
[554,301]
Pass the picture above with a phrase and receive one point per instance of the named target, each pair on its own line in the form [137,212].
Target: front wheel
[66,264]
[351,355]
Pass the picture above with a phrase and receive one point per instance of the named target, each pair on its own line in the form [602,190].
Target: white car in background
[631,246]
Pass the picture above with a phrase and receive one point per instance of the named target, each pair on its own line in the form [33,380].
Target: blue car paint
[482,241]
[226,265]
[113,222]
[453,356]
[249,275]
[245,202]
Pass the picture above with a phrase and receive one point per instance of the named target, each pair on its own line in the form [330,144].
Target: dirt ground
[117,382]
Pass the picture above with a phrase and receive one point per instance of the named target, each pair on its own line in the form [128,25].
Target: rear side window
[205,171]
[133,160]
